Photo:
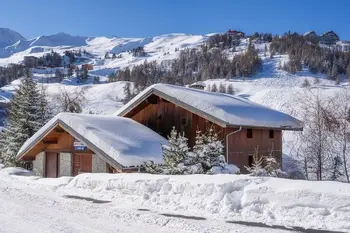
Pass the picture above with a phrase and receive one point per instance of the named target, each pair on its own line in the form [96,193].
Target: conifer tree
[230,89]
[214,88]
[28,112]
[222,88]
[175,153]
[208,150]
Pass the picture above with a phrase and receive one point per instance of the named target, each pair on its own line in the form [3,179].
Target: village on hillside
[230,128]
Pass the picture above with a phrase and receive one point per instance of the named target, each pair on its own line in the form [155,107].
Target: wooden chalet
[241,124]
[70,144]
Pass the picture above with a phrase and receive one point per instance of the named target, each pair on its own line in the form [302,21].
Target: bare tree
[341,111]
[71,101]
[316,139]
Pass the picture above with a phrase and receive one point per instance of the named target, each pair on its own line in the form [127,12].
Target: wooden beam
[50,141]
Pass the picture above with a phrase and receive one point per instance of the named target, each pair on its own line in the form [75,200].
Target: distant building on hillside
[236,34]
[87,66]
[31,61]
[65,61]
[198,85]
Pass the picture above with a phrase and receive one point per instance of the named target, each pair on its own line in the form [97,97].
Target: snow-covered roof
[199,83]
[223,109]
[121,141]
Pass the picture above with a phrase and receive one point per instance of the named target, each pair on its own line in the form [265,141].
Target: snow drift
[316,205]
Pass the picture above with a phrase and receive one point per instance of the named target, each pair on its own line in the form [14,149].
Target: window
[183,121]
[249,133]
[271,133]
[250,160]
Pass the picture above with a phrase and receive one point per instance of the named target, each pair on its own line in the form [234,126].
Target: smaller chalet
[241,124]
[70,144]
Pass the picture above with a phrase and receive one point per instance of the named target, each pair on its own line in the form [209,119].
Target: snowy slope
[9,37]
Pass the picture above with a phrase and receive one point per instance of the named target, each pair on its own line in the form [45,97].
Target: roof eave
[268,127]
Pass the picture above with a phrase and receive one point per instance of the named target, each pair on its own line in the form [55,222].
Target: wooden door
[82,163]
[76,164]
[51,164]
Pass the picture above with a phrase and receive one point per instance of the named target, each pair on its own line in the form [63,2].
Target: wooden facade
[56,142]
[161,116]
[60,141]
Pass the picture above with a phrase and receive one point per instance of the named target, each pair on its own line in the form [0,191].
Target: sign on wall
[78,145]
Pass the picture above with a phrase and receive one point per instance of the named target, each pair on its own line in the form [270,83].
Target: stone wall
[39,164]
[98,164]
[65,164]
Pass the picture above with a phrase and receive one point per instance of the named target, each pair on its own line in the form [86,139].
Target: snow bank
[317,205]
[18,171]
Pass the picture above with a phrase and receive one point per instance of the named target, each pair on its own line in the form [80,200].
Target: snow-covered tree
[214,88]
[230,89]
[151,167]
[222,88]
[175,153]
[208,150]
[28,112]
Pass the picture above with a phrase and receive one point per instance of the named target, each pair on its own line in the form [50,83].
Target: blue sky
[145,18]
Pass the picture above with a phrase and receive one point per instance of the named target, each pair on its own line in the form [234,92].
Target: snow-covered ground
[154,203]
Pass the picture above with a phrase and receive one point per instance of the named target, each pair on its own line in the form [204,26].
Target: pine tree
[27,113]
[215,149]
[208,87]
[214,88]
[151,167]
[208,150]
[45,112]
[175,153]
[114,56]
[348,72]
[222,88]
[230,89]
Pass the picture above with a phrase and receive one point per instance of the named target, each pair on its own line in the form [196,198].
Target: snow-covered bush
[175,153]
[151,167]
[206,156]
[267,166]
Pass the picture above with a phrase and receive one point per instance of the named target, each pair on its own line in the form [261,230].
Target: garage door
[51,164]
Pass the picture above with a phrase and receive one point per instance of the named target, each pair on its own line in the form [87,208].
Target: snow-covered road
[26,207]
